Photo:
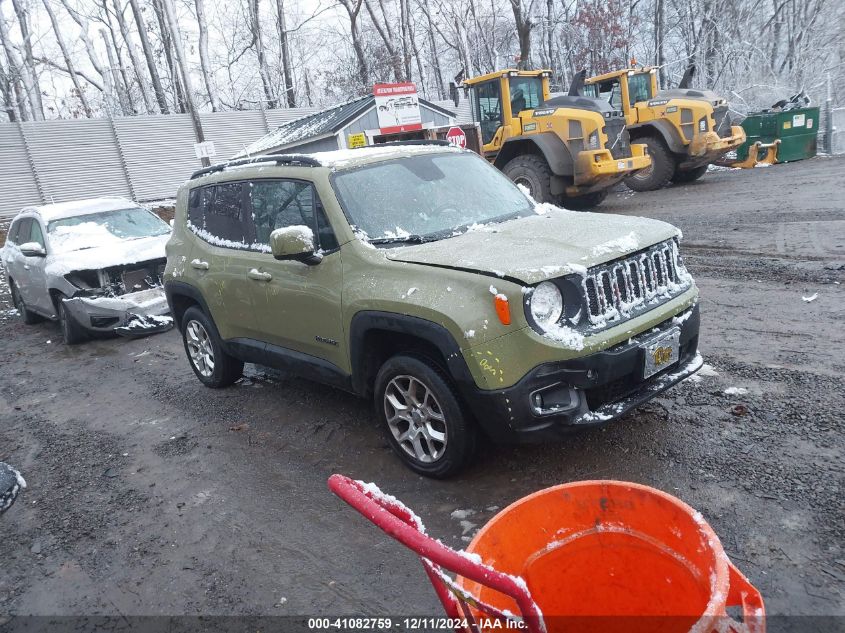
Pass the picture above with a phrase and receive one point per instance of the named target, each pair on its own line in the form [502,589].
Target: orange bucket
[609,556]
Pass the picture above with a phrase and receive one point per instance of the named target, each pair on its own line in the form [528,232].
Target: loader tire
[587,201]
[689,175]
[660,172]
[533,173]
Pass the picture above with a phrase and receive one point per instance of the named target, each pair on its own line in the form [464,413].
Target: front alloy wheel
[210,362]
[415,419]
[422,416]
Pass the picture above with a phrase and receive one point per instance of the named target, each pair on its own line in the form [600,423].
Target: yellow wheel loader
[566,150]
[685,129]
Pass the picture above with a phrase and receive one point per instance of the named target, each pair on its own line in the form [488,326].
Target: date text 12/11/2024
[410,624]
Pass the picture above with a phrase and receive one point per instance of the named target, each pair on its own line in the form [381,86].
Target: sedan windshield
[431,196]
[95,229]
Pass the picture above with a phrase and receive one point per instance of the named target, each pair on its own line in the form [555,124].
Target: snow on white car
[93,265]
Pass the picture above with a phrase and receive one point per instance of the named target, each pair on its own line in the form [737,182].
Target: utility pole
[183,72]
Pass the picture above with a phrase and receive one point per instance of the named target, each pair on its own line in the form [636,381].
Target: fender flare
[550,145]
[428,331]
[664,130]
[180,288]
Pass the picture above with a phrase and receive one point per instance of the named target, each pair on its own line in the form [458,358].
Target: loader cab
[497,99]
[624,89]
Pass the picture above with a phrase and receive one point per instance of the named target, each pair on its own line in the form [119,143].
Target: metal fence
[833,126]
[143,157]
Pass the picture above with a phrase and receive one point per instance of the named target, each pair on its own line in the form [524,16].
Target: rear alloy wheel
[533,173]
[28,317]
[213,366]
[587,201]
[660,171]
[689,175]
[72,332]
[422,417]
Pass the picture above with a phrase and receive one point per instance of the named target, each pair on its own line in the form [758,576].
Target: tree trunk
[68,61]
[8,96]
[284,45]
[122,80]
[435,59]
[150,57]
[149,102]
[386,35]
[203,48]
[354,12]
[170,15]
[523,23]
[29,60]
[25,96]
[258,43]
[167,44]
[123,102]
[659,31]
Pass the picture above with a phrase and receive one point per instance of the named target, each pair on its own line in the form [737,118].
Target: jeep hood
[539,247]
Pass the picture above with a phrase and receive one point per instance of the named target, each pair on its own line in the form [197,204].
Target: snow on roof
[316,124]
[74,208]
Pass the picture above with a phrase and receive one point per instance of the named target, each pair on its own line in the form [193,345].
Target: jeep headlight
[546,305]
[593,141]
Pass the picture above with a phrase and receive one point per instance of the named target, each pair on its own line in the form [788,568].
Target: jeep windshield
[96,229]
[426,197]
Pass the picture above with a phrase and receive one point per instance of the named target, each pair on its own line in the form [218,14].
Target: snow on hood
[540,247]
[112,252]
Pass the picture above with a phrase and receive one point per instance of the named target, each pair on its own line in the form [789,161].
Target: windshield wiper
[405,239]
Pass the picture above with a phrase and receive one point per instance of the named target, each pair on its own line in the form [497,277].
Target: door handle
[256,274]
[199,264]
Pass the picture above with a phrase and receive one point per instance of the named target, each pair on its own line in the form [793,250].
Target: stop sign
[456,137]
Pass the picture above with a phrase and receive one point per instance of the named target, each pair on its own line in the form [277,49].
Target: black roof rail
[416,141]
[278,159]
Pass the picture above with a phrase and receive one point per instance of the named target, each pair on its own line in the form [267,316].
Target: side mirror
[32,249]
[296,243]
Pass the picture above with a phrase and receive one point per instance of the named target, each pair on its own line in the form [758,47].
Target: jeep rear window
[428,196]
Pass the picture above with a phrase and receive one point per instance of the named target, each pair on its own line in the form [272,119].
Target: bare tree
[260,52]
[353,9]
[23,23]
[204,61]
[143,86]
[71,70]
[149,56]
[386,33]
[284,51]
[6,92]
[22,81]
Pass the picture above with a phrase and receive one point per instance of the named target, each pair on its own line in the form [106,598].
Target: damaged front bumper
[132,314]
[597,169]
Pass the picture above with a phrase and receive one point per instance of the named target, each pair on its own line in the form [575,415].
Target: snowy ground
[149,494]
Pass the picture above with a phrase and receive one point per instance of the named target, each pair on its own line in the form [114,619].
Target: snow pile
[59,210]
[117,252]
[78,237]
[566,336]
[736,391]
[812,297]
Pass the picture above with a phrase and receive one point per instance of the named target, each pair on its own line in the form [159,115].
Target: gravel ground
[150,495]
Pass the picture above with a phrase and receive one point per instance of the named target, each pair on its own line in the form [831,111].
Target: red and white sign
[398,107]
[456,137]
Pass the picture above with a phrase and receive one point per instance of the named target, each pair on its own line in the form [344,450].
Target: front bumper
[596,169]
[127,314]
[709,147]
[601,387]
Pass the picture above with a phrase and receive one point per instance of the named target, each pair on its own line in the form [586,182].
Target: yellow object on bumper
[712,145]
[594,166]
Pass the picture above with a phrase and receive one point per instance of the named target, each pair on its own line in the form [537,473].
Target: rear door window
[216,213]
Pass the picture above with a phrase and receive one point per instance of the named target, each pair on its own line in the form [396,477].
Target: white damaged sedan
[93,265]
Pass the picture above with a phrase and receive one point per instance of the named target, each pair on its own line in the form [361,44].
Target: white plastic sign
[205,149]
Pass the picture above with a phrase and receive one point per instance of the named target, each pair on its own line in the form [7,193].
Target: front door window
[488,105]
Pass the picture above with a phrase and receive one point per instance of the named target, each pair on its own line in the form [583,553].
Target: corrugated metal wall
[143,157]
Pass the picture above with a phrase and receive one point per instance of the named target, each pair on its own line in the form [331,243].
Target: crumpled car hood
[117,253]
[540,247]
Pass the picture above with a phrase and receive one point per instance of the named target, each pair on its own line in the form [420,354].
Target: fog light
[556,398]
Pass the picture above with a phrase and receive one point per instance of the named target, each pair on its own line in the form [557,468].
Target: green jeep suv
[419,276]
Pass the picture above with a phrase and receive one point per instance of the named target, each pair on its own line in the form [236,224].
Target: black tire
[661,170]
[72,332]
[533,173]
[689,175]
[27,316]
[587,201]
[458,431]
[225,369]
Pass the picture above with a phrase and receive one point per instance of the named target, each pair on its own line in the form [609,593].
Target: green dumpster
[797,130]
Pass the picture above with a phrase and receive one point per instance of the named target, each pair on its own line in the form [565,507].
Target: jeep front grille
[617,290]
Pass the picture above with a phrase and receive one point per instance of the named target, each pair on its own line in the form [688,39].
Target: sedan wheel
[415,419]
[200,349]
